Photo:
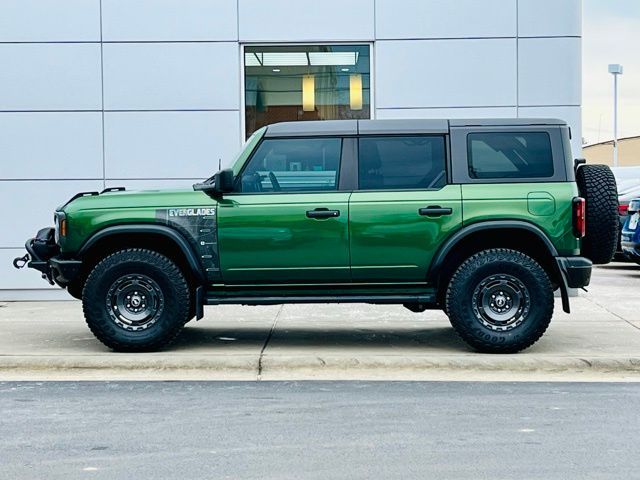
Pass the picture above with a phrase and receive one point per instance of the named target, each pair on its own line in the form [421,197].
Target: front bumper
[43,254]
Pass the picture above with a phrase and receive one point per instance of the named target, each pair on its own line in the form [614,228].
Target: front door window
[293,165]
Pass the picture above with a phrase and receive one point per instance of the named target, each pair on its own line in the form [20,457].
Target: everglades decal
[199,226]
[191,212]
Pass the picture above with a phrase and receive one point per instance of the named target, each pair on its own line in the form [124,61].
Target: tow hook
[20,262]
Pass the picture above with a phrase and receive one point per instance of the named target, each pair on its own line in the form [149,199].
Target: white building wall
[147,93]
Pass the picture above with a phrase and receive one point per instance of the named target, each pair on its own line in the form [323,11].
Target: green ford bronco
[483,219]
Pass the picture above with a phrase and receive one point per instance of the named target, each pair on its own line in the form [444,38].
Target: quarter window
[293,165]
[509,155]
[411,162]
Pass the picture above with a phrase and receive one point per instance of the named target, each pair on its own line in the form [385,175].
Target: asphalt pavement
[599,340]
[318,430]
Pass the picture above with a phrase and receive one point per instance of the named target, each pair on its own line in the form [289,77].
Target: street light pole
[615,70]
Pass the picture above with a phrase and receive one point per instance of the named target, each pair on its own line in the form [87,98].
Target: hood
[116,199]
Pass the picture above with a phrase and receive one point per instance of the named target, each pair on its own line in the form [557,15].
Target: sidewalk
[600,340]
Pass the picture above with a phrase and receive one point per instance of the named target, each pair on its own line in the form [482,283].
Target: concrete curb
[301,367]
[468,363]
[128,362]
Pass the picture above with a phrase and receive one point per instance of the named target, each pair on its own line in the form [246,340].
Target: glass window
[415,162]
[293,165]
[305,82]
[509,155]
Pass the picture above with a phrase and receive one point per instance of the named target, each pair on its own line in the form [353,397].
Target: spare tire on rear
[597,186]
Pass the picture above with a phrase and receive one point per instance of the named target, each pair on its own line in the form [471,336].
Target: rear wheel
[500,301]
[136,300]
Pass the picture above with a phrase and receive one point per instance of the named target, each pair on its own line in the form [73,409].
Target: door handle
[435,211]
[320,213]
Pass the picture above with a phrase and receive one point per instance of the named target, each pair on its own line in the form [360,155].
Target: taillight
[579,220]
[623,210]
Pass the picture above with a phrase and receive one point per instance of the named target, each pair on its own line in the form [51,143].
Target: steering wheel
[274,182]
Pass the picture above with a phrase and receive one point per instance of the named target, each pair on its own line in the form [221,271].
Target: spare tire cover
[597,186]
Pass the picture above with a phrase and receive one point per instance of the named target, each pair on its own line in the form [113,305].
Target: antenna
[219,164]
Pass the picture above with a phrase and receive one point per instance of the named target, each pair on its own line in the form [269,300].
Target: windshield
[246,150]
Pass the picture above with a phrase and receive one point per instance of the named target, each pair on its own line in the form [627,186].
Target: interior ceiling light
[355,91]
[308,93]
[333,58]
[299,59]
[276,59]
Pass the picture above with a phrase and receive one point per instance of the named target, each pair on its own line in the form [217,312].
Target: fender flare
[449,245]
[163,230]
[464,232]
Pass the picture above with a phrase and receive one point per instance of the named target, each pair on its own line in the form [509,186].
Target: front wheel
[136,300]
[500,301]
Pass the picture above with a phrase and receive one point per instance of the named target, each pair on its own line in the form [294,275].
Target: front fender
[176,237]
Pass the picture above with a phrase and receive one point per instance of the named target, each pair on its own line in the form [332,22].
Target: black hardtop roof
[400,126]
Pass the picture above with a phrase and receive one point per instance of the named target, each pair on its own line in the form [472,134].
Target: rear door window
[401,162]
[509,155]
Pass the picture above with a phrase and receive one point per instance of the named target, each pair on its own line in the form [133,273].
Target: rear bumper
[631,250]
[630,241]
[575,270]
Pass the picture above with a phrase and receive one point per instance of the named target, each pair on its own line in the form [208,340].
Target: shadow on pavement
[435,338]
[620,270]
[620,266]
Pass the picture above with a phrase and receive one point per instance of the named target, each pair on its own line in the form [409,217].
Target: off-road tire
[597,186]
[499,263]
[170,288]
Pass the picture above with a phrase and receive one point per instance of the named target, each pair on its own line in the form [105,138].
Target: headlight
[56,228]
[60,226]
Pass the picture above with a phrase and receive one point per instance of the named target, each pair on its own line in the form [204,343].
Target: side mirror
[224,181]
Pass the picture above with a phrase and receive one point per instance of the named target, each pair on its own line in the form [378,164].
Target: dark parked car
[624,198]
[631,232]
[628,182]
